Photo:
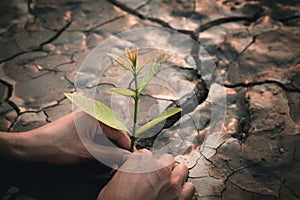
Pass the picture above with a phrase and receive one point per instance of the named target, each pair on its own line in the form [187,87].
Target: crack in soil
[199,95]
[9,95]
[47,116]
[208,160]
[225,20]
[40,47]
[152,19]
[37,111]
[227,180]
[143,5]
[252,84]
[14,56]
[283,183]
[217,148]
[287,20]
[20,114]
[9,87]
[251,192]
[56,35]
[294,152]
[195,51]
[88,31]
[245,48]
[68,80]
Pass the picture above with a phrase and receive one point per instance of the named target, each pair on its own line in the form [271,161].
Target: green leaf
[142,65]
[147,78]
[121,62]
[98,110]
[158,119]
[122,91]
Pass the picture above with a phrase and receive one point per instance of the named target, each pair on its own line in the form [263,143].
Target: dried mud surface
[255,151]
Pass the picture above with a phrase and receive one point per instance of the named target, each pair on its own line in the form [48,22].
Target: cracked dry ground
[253,154]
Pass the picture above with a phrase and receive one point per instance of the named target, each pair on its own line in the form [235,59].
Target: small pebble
[281,150]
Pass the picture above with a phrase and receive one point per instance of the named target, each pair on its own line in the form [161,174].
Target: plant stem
[133,139]
[136,102]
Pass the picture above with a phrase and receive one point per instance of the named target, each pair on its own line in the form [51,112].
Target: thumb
[188,190]
[120,137]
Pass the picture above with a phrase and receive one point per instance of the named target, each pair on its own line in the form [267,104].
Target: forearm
[11,146]
[55,143]
[30,146]
[22,146]
[59,142]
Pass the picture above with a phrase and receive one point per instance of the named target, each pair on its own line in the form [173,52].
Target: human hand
[73,139]
[166,180]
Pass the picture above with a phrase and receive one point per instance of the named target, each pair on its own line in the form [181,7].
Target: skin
[167,182]
[59,143]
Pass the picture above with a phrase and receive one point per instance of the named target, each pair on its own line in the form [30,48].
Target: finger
[88,128]
[144,151]
[141,161]
[110,156]
[123,140]
[188,191]
[120,137]
[167,160]
[179,174]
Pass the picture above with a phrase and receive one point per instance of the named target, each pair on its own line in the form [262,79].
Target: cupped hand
[167,180]
[76,138]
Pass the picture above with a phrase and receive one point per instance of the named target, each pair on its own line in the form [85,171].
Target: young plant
[107,116]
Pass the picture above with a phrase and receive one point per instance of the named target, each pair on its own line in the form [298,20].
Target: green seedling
[107,116]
